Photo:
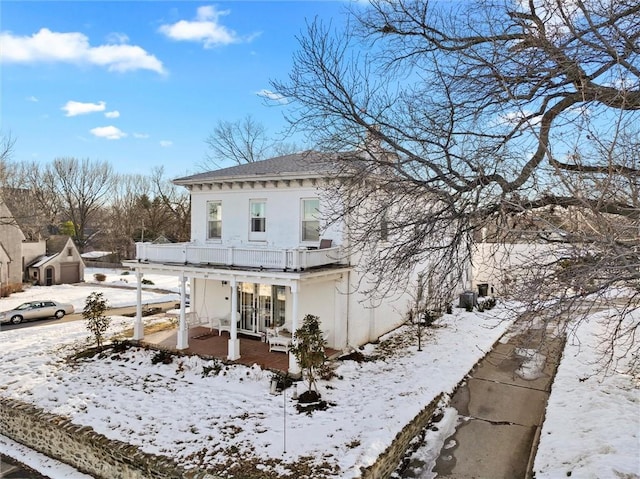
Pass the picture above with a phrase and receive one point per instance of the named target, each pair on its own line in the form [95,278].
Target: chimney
[372,141]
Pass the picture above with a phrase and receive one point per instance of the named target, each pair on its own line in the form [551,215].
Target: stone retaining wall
[103,458]
[83,448]
[389,460]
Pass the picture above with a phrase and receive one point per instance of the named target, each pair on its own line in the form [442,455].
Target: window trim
[209,220]
[258,235]
[304,220]
[384,228]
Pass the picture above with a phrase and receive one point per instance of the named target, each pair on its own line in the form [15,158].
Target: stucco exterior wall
[210,298]
[499,265]
[319,299]
[283,215]
[11,239]
[368,320]
[32,250]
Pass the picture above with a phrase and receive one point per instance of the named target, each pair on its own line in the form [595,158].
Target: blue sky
[142,84]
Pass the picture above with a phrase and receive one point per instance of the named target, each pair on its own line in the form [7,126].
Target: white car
[36,310]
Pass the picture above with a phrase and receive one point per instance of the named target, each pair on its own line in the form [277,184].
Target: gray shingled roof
[309,163]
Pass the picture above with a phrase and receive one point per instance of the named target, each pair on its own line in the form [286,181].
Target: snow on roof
[96,254]
[42,260]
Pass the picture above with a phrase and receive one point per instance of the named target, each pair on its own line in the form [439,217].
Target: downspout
[348,304]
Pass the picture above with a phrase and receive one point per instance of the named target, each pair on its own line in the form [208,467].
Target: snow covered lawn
[215,420]
[592,424]
[206,419]
[118,289]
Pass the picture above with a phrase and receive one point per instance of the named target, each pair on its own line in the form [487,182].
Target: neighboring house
[11,238]
[260,257]
[15,252]
[31,259]
[101,259]
[60,264]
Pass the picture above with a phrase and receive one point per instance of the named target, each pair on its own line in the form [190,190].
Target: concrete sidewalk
[501,412]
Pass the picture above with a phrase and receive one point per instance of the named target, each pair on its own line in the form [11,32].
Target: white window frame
[384,228]
[217,220]
[304,220]
[258,235]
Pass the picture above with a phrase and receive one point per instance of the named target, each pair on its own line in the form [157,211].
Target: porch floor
[207,343]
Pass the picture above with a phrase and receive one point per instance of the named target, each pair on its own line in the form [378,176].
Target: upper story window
[384,228]
[214,220]
[258,216]
[311,219]
[257,220]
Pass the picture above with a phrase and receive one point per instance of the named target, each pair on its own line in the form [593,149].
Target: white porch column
[294,367]
[138,327]
[183,327]
[233,350]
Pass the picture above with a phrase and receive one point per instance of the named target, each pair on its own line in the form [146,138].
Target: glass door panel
[263,307]
[278,305]
[245,303]
[260,306]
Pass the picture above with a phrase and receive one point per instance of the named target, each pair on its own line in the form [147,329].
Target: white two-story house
[260,256]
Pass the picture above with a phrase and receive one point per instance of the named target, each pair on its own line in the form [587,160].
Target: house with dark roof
[25,256]
[262,256]
[60,263]
[16,251]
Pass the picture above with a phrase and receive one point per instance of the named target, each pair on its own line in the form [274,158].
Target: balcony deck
[239,256]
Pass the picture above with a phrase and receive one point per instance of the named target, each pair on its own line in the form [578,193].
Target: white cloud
[74,47]
[515,117]
[108,132]
[74,108]
[166,143]
[112,114]
[117,37]
[141,136]
[123,58]
[205,29]
[32,99]
[269,95]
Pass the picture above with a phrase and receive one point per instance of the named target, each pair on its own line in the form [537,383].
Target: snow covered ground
[118,289]
[204,420]
[592,425]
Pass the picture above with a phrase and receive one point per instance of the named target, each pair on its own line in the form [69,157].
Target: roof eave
[254,178]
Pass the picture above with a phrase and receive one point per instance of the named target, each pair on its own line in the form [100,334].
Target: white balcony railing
[239,256]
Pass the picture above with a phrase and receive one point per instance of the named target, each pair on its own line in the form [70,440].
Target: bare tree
[173,203]
[242,141]
[7,143]
[125,219]
[82,188]
[27,211]
[486,114]
[6,149]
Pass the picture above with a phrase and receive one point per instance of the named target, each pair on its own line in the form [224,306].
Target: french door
[261,306]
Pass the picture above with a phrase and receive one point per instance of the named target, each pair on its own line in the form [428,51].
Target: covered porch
[203,342]
[242,307]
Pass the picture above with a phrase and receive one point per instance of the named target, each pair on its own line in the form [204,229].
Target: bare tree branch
[510,121]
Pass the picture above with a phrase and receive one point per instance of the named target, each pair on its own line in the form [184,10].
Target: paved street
[10,469]
[78,316]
